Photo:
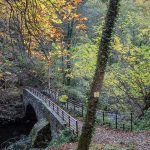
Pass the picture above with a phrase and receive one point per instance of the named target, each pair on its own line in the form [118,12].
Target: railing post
[69,120]
[53,106]
[74,107]
[45,99]
[82,110]
[67,104]
[63,115]
[58,110]
[77,128]
[123,127]
[103,117]
[131,121]
[55,95]
[116,120]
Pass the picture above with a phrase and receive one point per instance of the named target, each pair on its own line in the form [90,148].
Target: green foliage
[143,123]
[84,61]
[65,137]
[129,78]
[130,146]
[110,147]
[77,93]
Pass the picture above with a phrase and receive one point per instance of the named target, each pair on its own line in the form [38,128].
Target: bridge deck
[71,122]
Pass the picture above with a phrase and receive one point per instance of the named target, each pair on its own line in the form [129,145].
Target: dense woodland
[55,44]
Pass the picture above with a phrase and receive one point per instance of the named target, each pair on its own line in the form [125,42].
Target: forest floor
[119,140]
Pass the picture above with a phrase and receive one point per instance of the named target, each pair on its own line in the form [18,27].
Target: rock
[40,135]
[22,144]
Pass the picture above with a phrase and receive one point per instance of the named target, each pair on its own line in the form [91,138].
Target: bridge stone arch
[30,113]
[42,111]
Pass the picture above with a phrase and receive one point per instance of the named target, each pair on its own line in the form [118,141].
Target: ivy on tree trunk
[96,86]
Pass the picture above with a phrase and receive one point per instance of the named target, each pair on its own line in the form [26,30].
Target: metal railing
[116,120]
[71,122]
[73,105]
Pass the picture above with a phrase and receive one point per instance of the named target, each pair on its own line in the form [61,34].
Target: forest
[91,58]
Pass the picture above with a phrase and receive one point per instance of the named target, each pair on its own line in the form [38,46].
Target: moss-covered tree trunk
[96,86]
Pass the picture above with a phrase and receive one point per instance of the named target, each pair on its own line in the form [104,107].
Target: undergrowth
[66,136]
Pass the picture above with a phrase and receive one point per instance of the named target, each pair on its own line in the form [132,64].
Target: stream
[14,131]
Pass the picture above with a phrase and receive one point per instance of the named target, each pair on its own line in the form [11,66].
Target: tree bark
[96,86]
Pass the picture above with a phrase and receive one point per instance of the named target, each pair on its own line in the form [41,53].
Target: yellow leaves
[139,2]
[38,55]
[62,53]
[76,16]
[81,27]
[145,32]
[118,45]
[131,59]
[78,1]
[83,19]
[65,53]
[44,20]
[60,2]
[63,98]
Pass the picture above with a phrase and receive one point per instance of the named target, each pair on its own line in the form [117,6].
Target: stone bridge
[41,106]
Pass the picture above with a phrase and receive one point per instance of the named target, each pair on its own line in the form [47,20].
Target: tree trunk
[96,86]
[69,40]
[147,105]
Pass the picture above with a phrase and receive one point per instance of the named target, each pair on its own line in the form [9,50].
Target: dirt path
[117,138]
[139,141]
